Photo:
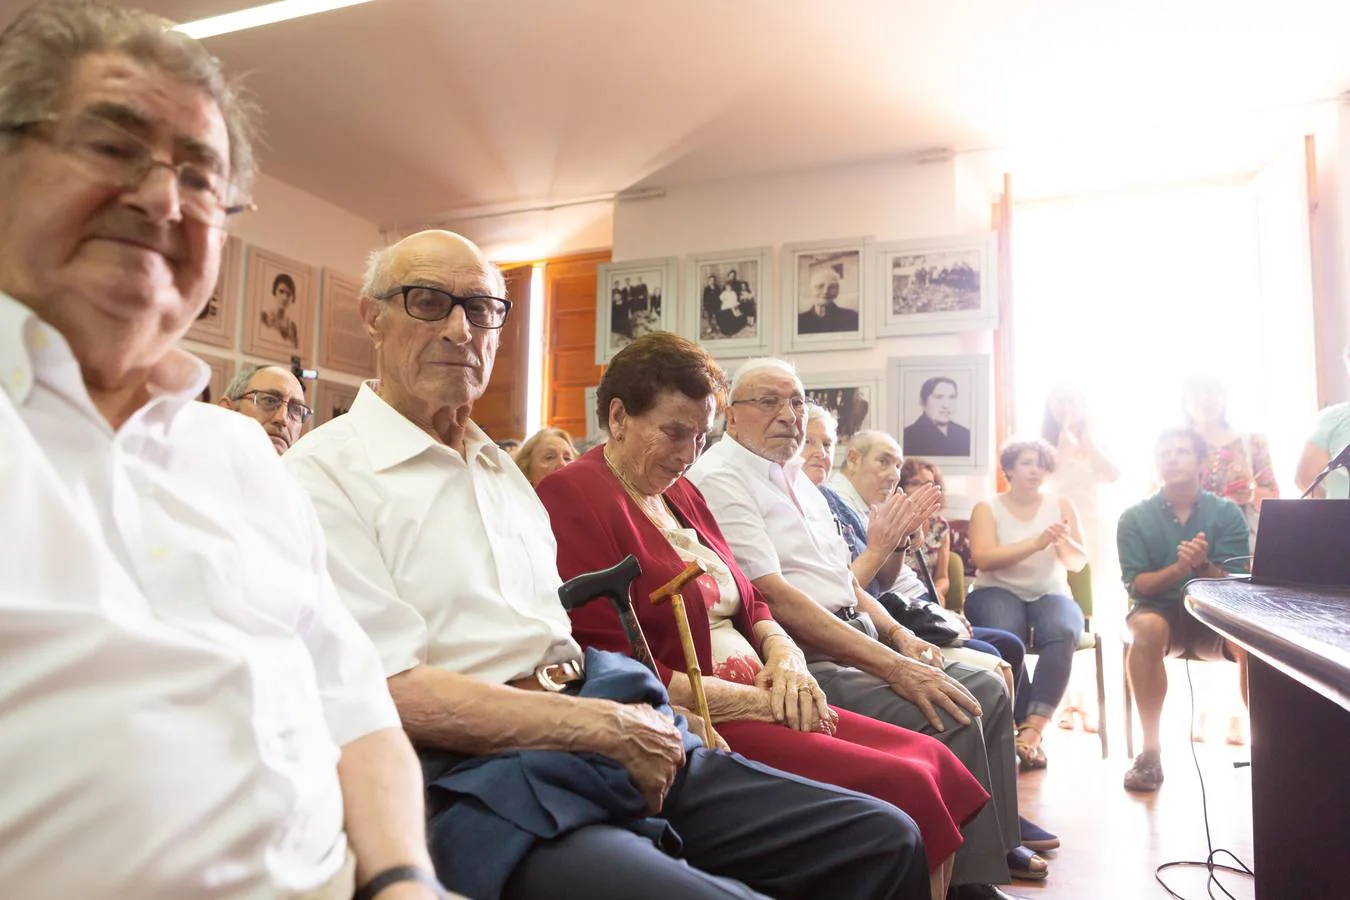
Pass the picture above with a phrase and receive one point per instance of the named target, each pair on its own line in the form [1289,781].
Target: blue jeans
[1054,620]
[1009,647]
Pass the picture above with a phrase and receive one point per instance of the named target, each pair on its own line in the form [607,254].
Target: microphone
[1342,461]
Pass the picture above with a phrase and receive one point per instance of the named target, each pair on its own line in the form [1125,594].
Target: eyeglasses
[429,304]
[297,413]
[115,156]
[770,405]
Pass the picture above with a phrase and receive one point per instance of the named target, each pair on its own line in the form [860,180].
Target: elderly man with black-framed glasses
[274,397]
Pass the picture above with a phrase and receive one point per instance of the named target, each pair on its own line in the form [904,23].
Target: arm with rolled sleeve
[1133,552]
[379,773]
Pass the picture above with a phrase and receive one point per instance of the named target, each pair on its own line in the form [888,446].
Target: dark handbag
[928,620]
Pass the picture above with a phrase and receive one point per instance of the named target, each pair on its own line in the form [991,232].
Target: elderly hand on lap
[795,698]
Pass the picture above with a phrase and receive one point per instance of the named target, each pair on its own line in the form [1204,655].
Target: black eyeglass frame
[455,301]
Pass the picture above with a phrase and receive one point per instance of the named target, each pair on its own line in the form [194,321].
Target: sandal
[1025,864]
[1030,755]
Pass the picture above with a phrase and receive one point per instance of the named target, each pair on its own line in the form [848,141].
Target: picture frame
[344,345]
[853,398]
[218,322]
[940,407]
[332,399]
[594,431]
[729,301]
[937,285]
[222,371]
[277,326]
[631,299]
[825,295]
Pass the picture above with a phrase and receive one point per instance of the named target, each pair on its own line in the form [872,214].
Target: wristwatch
[394,875]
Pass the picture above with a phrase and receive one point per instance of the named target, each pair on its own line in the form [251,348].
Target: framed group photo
[219,320]
[941,409]
[938,285]
[729,302]
[853,398]
[278,306]
[633,299]
[222,370]
[343,343]
[825,289]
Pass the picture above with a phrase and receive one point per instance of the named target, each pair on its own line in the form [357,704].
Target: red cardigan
[597,524]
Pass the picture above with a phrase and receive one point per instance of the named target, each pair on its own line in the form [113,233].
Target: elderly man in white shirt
[189,710]
[440,547]
[788,542]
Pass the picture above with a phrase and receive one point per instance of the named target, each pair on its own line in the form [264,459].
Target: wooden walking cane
[671,591]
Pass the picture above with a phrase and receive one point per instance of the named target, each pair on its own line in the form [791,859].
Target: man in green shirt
[1178,534]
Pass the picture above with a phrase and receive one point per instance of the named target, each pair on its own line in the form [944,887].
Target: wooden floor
[1113,840]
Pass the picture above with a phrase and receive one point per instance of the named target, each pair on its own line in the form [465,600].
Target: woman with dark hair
[1237,463]
[657,399]
[1023,543]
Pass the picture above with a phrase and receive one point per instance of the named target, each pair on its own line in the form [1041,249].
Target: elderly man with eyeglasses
[273,396]
[787,541]
[543,774]
[189,710]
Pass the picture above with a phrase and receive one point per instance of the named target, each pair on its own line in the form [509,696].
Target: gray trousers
[985,747]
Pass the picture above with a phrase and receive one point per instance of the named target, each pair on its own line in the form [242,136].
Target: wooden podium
[1293,618]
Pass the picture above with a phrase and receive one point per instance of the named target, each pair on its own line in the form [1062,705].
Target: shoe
[979,892]
[1035,837]
[1030,755]
[1026,865]
[1146,775]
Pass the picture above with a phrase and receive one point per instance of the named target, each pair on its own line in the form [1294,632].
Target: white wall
[308,229]
[887,201]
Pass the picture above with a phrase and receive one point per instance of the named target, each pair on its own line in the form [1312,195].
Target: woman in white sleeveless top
[1023,543]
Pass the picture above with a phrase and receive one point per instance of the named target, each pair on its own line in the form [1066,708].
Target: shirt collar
[391,438]
[30,348]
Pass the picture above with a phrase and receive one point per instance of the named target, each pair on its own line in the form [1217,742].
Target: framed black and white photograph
[218,321]
[632,299]
[825,293]
[222,370]
[343,342]
[941,410]
[332,399]
[853,398]
[937,285]
[729,302]
[279,306]
[594,431]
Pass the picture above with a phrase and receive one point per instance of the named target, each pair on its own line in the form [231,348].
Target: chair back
[1080,585]
[956,583]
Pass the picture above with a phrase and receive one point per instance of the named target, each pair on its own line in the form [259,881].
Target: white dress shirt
[445,560]
[776,522]
[177,672]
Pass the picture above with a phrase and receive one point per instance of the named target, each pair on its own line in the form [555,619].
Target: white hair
[762,364]
[379,283]
[816,413]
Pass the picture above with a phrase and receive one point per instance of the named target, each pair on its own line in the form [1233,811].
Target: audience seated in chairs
[1024,542]
[547,450]
[189,711]
[440,547]
[1181,532]
[658,397]
[936,546]
[784,538]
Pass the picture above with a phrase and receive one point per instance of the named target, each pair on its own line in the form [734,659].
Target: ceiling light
[266,14]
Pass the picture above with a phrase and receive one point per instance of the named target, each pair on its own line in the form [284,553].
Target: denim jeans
[1009,646]
[1050,624]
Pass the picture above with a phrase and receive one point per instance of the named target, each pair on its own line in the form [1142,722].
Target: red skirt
[906,769]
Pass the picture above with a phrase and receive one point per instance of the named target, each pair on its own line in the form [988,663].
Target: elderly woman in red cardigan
[658,397]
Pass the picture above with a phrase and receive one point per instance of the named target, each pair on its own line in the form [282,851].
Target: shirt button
[158,552]
[19,377]
[39,340]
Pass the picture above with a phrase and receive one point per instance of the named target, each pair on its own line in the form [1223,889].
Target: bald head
[433,361]
[873,465]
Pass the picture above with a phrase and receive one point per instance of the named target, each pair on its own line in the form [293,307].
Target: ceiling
[404,110]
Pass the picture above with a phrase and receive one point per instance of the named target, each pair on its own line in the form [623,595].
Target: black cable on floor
[1209,864]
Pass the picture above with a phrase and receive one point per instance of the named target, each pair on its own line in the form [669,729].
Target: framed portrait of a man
[942,407]
[343,343]
[632,299]
[279,306]
[218,321]
[332,399]
[938,285]
[825,287]
[853,398]
[728,302]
